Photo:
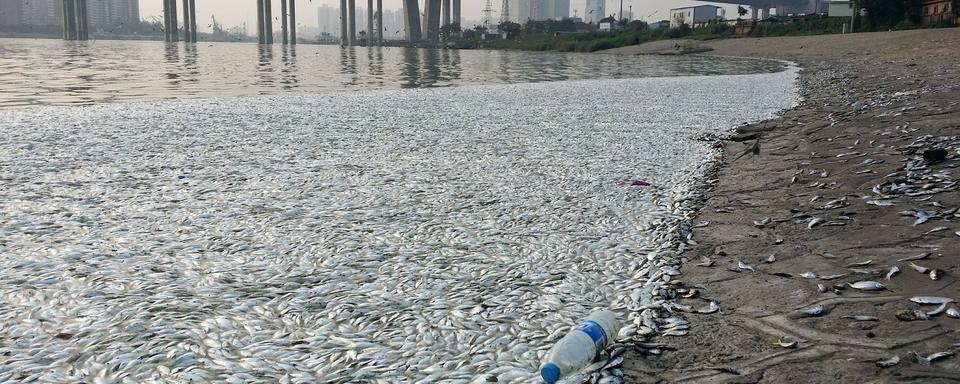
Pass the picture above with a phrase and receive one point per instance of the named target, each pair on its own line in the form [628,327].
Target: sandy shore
[867,98]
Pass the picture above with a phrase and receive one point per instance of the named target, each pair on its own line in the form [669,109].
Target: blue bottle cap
[550,373]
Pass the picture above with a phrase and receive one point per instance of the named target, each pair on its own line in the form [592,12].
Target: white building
[840,8]
[694,16]
[522,11]
[594,11]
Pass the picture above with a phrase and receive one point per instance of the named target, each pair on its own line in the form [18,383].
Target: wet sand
[867,97]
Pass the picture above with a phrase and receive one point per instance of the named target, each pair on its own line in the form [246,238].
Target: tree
[511,29]
[450,30]
[742,11]
[884,14]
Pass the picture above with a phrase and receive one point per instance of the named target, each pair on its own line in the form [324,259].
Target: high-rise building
[522,11]
[328,20]
[594,11]
[107,15]
[30,12]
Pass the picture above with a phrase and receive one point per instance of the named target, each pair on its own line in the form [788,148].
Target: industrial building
[696,15]
[761,9]
[522,11]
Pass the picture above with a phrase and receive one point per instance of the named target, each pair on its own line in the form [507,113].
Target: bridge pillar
[411,20]
[283,22]
[268,20]
[261,37]
[170,21]
[293,21]
[431,24]
[446,13]
[380,22]
[456,12]
[189,21]
[83,22]
[344,33]
[352,21]
[370,23]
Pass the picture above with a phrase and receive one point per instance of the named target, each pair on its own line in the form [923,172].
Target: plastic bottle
[581,346]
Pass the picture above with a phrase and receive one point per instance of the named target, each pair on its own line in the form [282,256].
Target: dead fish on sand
[861,318]
[814,222]
[953,313]
[714,307]
[893,271]
[935,230]
[860,264]
[809,275]
[761,222]
[832,277]
[931,300]
[742,265]
[919,268]
[815,311]
[938,311]
[926,360]
[889,362]
[787,344]
[771,259]
[881,203]
[917,257]
[705,262]
[934,274]
[867,286]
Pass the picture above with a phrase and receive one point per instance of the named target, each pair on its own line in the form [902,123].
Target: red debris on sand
[639,183]
[717,145]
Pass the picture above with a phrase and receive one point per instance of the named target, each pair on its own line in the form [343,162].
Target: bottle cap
[550,373]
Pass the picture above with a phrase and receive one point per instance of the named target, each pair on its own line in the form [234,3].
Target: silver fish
[935,230]
[917,257]
[744,266]
[823,287]
[888,362]
[867,286]
[934,274]
[809,275]
[771,259]
[705,262]
[881,203]
[862,318]
[919,268]
[926,360]
[761,222]
[816,310]
[832,277]
[860,264]
[953,313]
[714,307]
[938,311]
[893,271]
[931,300]
[787,344]
[814,222]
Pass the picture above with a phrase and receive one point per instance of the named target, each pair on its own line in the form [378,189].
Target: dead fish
[867,286]
[761,222]
[814,222]
[809,275]
[787,344]
[931,300]
[938,311]
[889,362]
[919,268]
[714,307]
[953,313]
[926,360]
[935,230]
[832,277]
[706,262]
[862,318]
[823,287]
[702,224]
[691,294]
[741,265]
[881,203]
[815,311]
[771,259]
[893,271]
[860,264]
[912,315]
[917,257]
[934,274]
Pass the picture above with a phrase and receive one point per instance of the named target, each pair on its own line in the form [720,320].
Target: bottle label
[596,333]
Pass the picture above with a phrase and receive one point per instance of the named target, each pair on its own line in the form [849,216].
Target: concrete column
[456,12]
[83,26]
[380,22]
[174,24]
[370,23]
[261,36]
[186,20]
[64,21]
[293,22]
[446,13]
[411,20]
[283,22]
[71,12]
[344,34]
[352,20]
[268,20]
[193,21]
[431,25]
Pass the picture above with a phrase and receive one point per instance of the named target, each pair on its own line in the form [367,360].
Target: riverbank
[868,97]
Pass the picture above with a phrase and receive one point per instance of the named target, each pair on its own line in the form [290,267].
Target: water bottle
[581,346]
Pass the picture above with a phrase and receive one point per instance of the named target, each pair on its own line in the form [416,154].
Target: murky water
[54,72]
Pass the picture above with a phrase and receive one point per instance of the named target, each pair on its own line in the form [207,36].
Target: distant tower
[487,13]
[505,11]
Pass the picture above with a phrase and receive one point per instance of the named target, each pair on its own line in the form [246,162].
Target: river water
[41,72]
[342,229]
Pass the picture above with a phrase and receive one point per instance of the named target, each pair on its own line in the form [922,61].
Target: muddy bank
[873,103]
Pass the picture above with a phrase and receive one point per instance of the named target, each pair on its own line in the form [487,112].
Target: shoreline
[857,95]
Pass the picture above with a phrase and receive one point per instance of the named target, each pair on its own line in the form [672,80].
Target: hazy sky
[234,12]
